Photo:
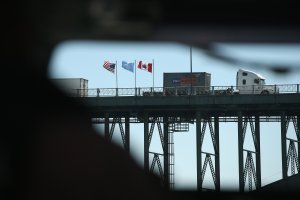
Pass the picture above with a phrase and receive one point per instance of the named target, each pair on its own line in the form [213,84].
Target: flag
[145,66]
[128,66]
[109,66]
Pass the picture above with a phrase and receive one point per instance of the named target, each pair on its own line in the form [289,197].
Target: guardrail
[186,90]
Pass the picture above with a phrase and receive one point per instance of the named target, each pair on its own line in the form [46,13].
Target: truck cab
[249,82]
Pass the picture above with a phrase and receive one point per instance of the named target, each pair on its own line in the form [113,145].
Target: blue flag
[128,66]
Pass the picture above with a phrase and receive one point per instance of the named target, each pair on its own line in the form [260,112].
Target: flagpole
[153,73]
[116,74]
[191,66]
[134,73]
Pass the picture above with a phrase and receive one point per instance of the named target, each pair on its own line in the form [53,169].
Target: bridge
[173,112]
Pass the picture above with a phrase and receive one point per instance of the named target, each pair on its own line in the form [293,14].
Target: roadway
[210,105]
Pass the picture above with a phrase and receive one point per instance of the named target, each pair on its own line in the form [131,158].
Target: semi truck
[248,82]
[197,83]
[72,86]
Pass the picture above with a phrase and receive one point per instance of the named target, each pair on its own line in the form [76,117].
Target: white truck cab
[249,82]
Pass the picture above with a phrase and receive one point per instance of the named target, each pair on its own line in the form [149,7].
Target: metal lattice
[209,161]
[181,127]
[244,128]
[154,161]
[111,132]
[172,120]
[249,170]
[212,134]
[167,152]
[171,160]
[160,132]
[296,127]
[292,158]
[249,167]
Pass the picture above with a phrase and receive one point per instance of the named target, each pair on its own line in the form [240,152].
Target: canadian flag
[145,66]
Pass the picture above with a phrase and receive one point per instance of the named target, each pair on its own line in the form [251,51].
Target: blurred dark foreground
[48,148]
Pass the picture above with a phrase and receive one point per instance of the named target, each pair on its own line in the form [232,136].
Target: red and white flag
[145,66]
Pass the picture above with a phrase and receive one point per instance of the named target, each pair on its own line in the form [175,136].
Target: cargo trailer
[72,86]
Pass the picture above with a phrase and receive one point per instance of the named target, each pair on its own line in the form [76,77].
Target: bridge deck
[227,105]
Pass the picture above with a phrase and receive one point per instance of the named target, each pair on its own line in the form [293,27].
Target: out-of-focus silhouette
[48,148]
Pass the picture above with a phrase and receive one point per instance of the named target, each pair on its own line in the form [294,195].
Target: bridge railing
[184,90]
[289,88]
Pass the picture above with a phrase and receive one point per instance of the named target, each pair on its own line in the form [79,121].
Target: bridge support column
[291,157]
[283,146]
[217,154]
[146,142]
[109,131]
[249,169]
[198,153]
[164,170]
[166,153]
[240,152]
[209,157]
[257,147]
[297,127]
[127,135]
[106,127]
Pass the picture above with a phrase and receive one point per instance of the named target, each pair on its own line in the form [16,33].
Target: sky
[84,59]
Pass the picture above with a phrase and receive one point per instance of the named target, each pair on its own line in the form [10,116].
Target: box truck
[197,83]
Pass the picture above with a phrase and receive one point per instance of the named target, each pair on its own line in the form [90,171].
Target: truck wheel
[265,92]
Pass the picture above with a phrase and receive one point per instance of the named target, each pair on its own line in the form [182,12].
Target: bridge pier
[127,134]
[109,130]
[249,169]
[240,152]
[205,109]
[214,168]
[291,158]
[283,146]
[198,151]
[166,153]
[146,142]
[257,148]
[106,127]
[297,129]
[164,170]
[217,153]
